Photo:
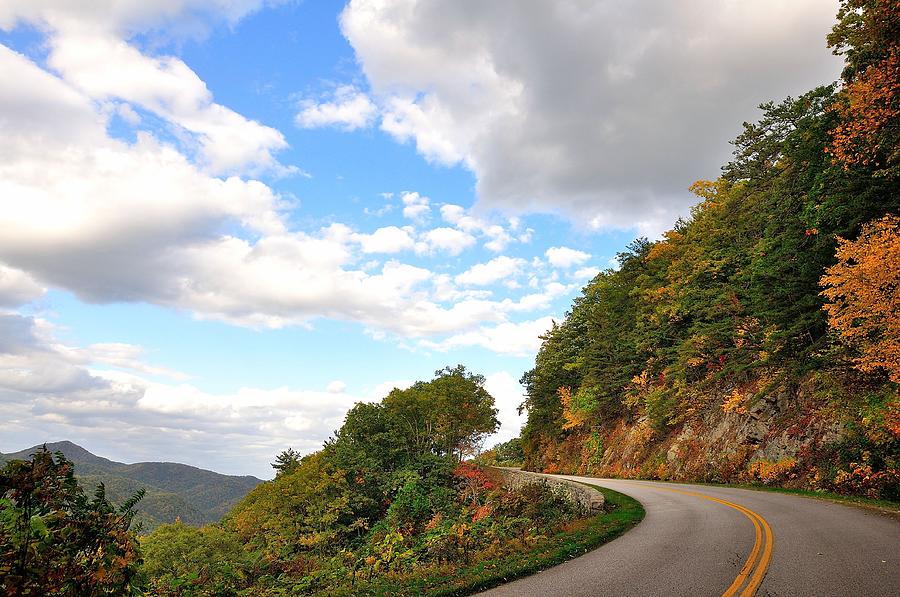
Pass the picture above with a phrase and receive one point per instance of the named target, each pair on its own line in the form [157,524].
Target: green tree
[306,511]
[449,415]
[210,560]
[509,452]
[286,462]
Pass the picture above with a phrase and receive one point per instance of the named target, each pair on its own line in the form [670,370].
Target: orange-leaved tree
[577,407]
[863,292]
[868,107]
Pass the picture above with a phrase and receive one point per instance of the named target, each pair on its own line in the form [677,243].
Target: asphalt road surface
[697,540]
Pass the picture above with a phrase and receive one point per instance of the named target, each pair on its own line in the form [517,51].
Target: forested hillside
[172,491]
[759,339]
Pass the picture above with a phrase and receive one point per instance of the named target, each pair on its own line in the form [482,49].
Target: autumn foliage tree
[863,292]
[868,34]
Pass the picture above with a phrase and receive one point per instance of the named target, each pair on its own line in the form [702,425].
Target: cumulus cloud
[31,362]
[585,107]
[494,270]
[144,220]
[565,257]
[508,395]
[497,236]
[172,216]
[104,66]
[415,206]
[446,240]
[143,223]
[350,109]
[50,391]
[17,287]
[389,239]
[336,387]
[586,273]
[537,300]
[517,339]
[89,47]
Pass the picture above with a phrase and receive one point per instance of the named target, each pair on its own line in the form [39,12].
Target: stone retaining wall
[591,500]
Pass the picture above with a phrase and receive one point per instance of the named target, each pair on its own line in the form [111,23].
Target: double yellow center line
[754,569]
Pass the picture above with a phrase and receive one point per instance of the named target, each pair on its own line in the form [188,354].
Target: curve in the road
[762,547]
[695,541]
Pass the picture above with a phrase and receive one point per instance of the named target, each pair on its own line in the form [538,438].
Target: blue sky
[225,221]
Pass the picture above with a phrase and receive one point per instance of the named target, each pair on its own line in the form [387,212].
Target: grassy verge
[582,537]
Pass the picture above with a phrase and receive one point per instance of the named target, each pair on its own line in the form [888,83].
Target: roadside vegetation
[390,505]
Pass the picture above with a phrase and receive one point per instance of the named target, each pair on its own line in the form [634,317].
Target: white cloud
[508,395]
[494,270]
[128,357]
[538,300]
[389,239]
[586,273]
[104,66]
[585,109]
[518,339]
[565,257]
[404,118]
[453,214]
[48,393]
[446,291]
[336,387]
[128,114]
[17,287]
[350,109]
[378,212]
[180,17]
[415,206]
[116,221]
[446,240]
[142,221]
[498,237]
[88,47]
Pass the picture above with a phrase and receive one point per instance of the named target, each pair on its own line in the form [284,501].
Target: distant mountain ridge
[194,495]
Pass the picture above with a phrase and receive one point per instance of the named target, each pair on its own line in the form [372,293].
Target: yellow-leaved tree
[863,292]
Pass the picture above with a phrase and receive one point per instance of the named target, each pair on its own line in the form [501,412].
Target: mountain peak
[195,495]
[70,450]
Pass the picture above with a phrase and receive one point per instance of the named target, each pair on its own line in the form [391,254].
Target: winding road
[698,540]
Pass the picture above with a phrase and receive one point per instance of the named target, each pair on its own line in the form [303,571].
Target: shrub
[197,561]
